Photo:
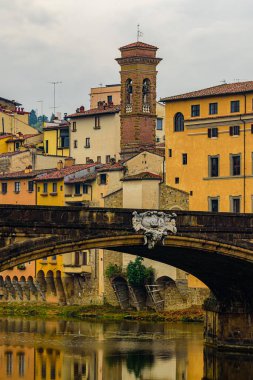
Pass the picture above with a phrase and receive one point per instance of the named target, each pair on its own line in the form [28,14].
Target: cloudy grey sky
[202,42]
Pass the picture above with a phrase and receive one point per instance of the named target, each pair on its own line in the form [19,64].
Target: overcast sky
[202,42]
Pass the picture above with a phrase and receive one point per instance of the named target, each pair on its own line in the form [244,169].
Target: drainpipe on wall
[244,155]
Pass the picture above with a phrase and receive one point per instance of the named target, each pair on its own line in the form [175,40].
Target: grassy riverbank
[193,314]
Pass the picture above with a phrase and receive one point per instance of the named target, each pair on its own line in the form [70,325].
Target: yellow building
[209,139]
[95,134]
[108,94]
[14,119]
[56,138]
[52,189]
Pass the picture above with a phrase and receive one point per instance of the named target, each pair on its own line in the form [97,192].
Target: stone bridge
[217,248]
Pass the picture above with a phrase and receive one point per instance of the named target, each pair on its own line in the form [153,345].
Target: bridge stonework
[217,248]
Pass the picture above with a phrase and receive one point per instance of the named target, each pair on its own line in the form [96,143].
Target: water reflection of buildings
[16,362]
[51,350]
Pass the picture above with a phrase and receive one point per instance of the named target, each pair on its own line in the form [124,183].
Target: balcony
[129,108]
[146,108]
[74,269]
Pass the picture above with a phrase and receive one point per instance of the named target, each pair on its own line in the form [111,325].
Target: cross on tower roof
[139,33]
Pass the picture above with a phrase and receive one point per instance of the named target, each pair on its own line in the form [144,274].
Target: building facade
[209,137]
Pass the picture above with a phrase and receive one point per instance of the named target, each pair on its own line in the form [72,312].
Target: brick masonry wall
[115,199]
[111,257]
[173,198]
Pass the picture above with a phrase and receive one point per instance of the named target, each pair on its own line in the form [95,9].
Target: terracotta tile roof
[10,101]
[142,176]
[110,167]
[22,174]
[59,174]
[5,136]
[96,111]
[138,44]
[222,89]
[9,154]
[62,125]
[86,178]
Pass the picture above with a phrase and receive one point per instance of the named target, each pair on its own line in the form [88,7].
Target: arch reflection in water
[230,366]
[128,350]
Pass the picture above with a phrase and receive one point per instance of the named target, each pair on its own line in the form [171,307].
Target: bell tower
[138,97]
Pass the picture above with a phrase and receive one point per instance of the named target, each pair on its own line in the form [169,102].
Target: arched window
[179,122]
[129,91]
[146,91]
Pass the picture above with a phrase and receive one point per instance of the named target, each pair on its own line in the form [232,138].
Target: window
[43,370]
[21,364]
[77,189]
[212,132]
[157,139]
[213,166]
[17,145]
[17,187]
[9,363]
[234,130]
[98,159]
[109,99]
[159,124]
[30,186]
[235,204]
[176,179]
[184,158]
[87,142]
[64,138]
[213,108]
[77,259]
[235,106]
[4,187]
[75,143]
[74,126]
[54,187]
[170,152]
[235,164]
[85,258]
[195,110]
[46,146]
[85,189]
[52,372]
[108,159]
[179,122]
[45,187]
[97,122]
[103,179]
[213,204]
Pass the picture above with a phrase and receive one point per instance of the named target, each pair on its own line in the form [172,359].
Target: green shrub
[138,274]
[113,270]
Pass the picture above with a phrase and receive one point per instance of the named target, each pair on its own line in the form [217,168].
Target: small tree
[138,274]
[33,118]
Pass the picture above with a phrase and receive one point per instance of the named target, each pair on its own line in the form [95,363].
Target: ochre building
[209,146]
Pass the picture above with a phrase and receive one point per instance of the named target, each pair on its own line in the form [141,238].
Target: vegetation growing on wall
[138,274]
[113,270]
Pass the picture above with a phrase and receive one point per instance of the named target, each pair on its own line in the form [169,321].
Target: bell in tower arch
[146,95]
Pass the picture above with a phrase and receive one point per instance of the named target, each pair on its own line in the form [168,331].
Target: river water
[128,350]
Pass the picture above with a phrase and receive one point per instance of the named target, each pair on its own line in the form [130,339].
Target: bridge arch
[208,260]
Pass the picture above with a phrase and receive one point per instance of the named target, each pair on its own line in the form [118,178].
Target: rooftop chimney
[60,165]
[69,161]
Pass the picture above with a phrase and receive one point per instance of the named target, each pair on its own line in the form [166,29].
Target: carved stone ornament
[155,225]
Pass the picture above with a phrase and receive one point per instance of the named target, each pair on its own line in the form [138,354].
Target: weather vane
[139,33]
